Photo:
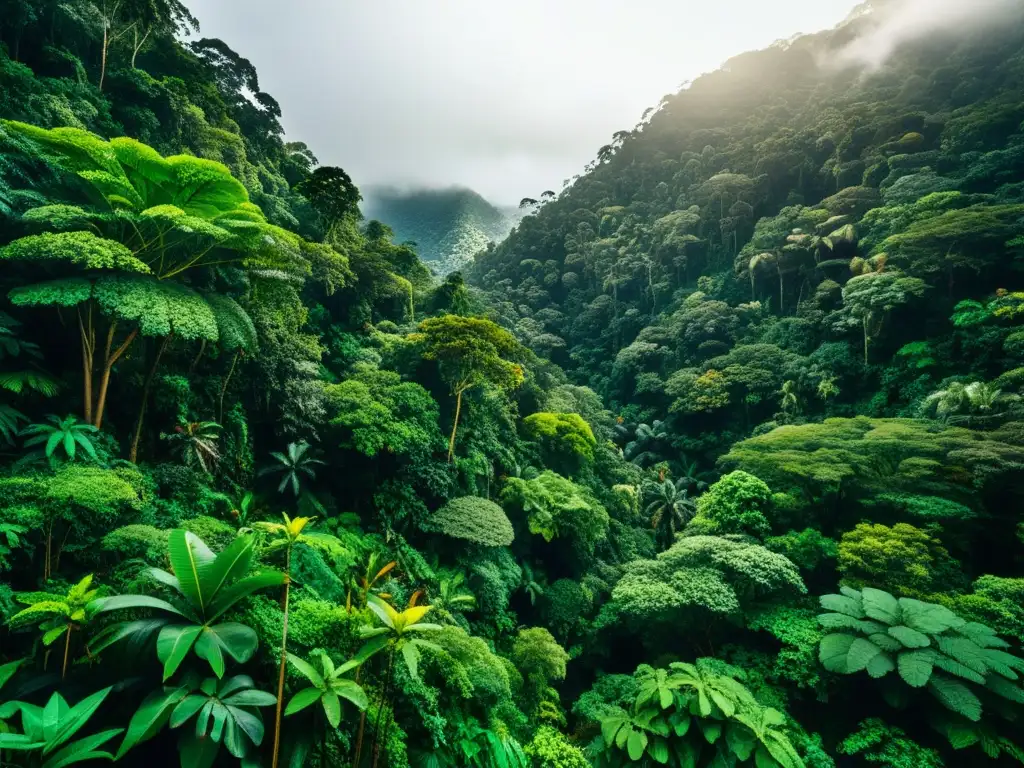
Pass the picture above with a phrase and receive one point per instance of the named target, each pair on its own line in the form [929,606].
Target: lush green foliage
[768,346]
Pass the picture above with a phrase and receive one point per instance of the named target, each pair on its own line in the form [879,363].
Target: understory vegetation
[717,460]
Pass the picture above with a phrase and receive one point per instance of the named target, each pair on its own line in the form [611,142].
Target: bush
[475,519]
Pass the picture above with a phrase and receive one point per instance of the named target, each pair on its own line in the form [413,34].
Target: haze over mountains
[448,225]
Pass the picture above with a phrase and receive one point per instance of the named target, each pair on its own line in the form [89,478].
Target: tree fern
[959,662]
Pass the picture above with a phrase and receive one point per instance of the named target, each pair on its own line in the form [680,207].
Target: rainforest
[717,459]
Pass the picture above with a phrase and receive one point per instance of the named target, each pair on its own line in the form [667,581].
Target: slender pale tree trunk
[88,339]
[224,386]
[284,656]
[67,649]
[108,365]
[455,425]
[134,452]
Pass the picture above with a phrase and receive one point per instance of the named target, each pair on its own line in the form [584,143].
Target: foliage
[928,644]
[690,712]
[736,504]
[479,521]
[207,587]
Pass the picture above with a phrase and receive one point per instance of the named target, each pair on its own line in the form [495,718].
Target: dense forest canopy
[716,460]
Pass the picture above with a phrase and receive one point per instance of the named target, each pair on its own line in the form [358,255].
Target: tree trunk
[362,726]
[67,649]
[385,699]
[108,365]
[134,452]
[103,59]
[865,341]
[284,657]
[224,387]
[455,426]
[88,339]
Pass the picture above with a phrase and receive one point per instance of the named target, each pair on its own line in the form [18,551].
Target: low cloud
[898,22]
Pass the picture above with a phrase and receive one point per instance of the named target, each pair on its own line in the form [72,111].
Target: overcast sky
[508,98]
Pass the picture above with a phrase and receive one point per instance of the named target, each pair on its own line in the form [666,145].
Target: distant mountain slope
[448,225]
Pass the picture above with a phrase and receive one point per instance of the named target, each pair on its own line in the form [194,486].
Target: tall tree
[470,352]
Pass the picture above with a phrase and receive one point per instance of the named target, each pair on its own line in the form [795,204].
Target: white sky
[508,98]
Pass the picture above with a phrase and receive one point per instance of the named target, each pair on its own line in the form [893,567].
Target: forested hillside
[716,461]
[448,226]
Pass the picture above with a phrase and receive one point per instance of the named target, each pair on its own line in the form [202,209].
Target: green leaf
[150,717]
[885,642]
[187,709]
[965,651]
[1006,689]
[189,557]
[73,719]
[230,565]
[610,726]
[740,740]
[352,691]
[658,750]
[712,731]
[301,700]
[861,652]
[909,638]
[954,667]
[842,604]
[307,669]
[880,665]
[412,658]
[207,647]
[928,618]
[237,640]
[173,644]
[228,596]
[833,652]
[881,606]
[955,696]
[83,750]
[915,667]
[332,708]
[636,744]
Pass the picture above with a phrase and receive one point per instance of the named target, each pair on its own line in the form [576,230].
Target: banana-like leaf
[229,595]
[190,558]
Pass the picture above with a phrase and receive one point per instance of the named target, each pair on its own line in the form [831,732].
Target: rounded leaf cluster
[475,519]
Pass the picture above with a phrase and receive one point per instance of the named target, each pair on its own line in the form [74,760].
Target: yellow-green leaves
[81,249]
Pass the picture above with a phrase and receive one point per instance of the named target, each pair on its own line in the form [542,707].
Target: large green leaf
[658,749]
[150,717]
[965,651]
[302,699]
[915,667]
[636,743]
[880,665]
[73,719]
[228,596]
[834,650]
[84,749]
[909,638]
[842,604]
[189,557]
[955,696]
[349,689]
[928,617]
[307,669]
[861,652]
[237,640]
[610,727]
[230,565]
[173,644]
[881,606]
[332,708]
